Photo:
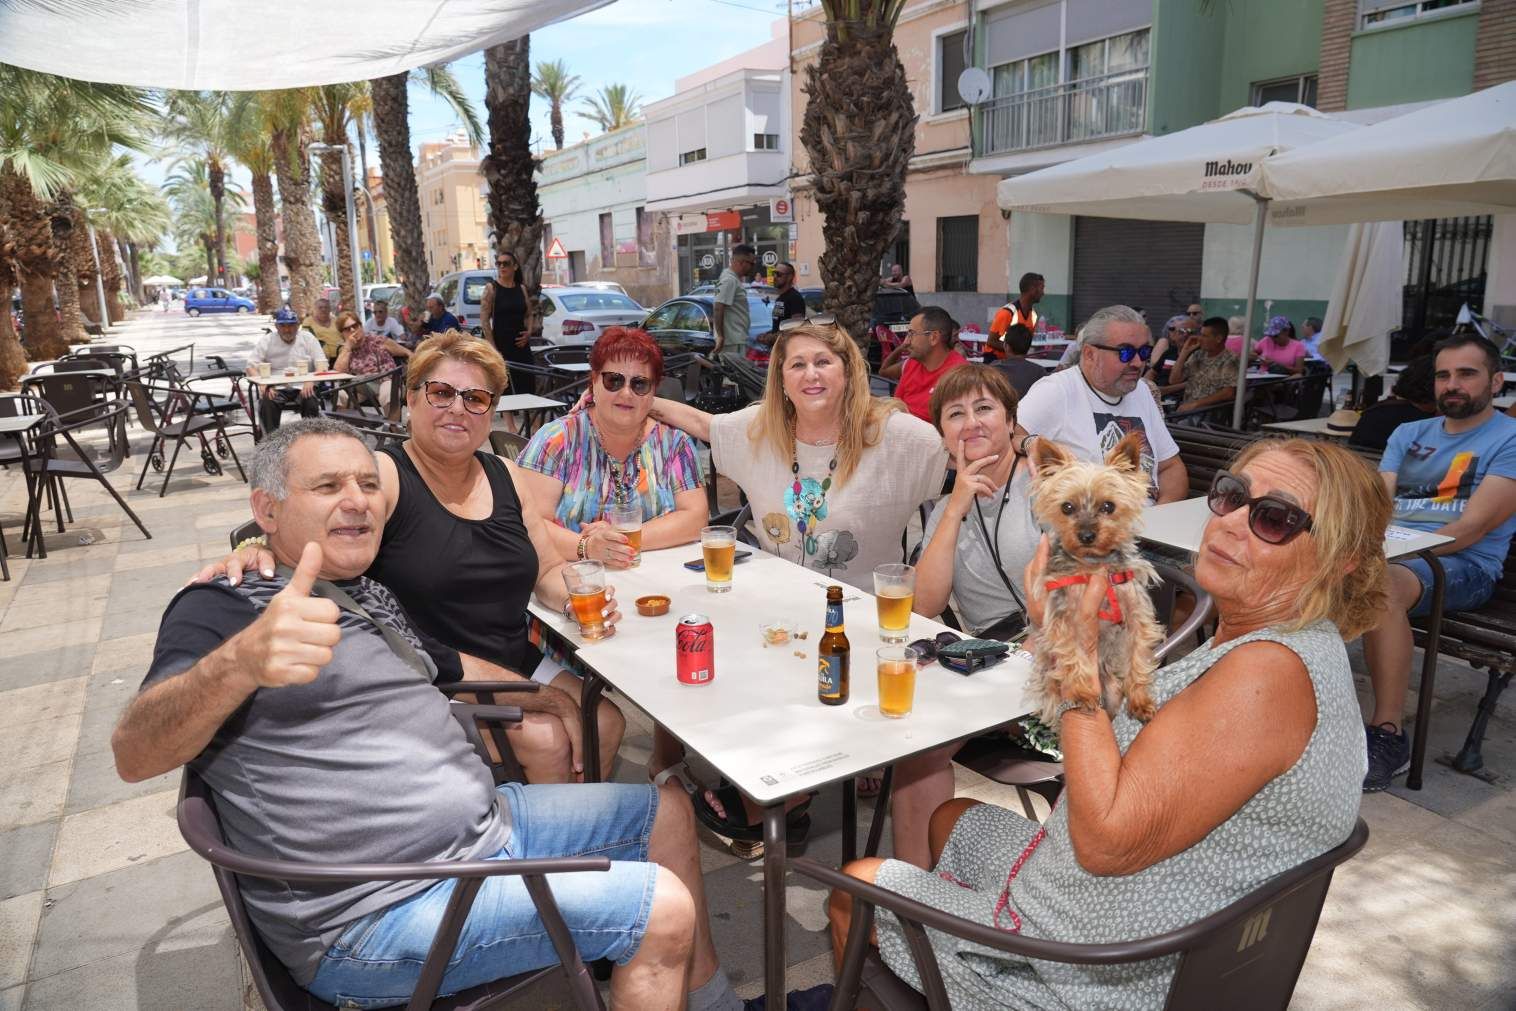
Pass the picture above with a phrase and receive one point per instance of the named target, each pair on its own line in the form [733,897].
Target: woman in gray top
[1253,764]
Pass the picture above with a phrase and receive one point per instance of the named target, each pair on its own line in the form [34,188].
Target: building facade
[952,240]
[454,214]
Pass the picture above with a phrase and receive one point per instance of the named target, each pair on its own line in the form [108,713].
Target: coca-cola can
[695,650]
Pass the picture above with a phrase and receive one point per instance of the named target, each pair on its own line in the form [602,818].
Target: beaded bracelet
[260,540]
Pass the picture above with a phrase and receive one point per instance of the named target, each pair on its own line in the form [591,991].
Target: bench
[1484,639]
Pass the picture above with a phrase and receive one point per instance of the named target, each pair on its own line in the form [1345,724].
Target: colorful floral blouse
[370,357]
[569,449]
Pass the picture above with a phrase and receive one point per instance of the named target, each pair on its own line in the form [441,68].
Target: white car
[380,292]
[578,315]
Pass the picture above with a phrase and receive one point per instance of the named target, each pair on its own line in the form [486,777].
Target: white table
[1307,426]
[759,721]
[1046,363]
[16,427]
[574,367]
[301,380]
[1182,525]
[524,402]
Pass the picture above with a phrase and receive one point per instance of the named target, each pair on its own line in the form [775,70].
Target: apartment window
[958,253]
[1375,13]
[765,142]
[690,157]
[1301,89]
[950,66]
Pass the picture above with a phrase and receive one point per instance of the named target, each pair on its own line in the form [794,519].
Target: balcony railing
[1092,109]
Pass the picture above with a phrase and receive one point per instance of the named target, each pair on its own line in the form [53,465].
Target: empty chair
[57,464]
[154,419]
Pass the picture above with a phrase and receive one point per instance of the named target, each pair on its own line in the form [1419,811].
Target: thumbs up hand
[293,639]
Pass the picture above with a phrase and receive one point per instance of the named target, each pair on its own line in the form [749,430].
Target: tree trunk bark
[111,269]
[555,120]
[302,248]
[368,216]
[217,178]
[36,263]
[859,132]
[207,242]
[12,357]
[124,249]
[264,218]
[515,214]
[71,240]
[82,264]
[334,204]
[392,127]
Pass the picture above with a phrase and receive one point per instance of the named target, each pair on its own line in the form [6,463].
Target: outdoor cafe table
[1180,525]
[1307,426]
[279,379]
[16,427]
[528,404]
[759,721]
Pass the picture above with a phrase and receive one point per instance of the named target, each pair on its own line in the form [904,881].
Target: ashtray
[652,606]
[778,632]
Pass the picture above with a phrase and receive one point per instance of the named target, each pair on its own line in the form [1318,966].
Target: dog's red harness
[1112,610]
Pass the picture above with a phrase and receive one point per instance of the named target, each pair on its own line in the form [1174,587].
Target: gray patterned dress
[1297,816]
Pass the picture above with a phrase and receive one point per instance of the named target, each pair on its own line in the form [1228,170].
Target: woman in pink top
[1280,348]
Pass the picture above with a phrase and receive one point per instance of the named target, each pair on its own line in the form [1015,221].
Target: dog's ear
[1126,454]
[1048,457]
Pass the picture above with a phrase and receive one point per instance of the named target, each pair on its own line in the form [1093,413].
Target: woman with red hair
[613,453]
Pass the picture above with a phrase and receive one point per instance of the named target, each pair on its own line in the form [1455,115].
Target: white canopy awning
[1451,159]
[266,44]
[1205,173]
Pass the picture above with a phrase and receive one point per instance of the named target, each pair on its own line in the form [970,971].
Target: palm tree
[250,146]
[289,113]
[130,212]
[554,83]
[510,167]
[859,133]
[200,121]
[189,192]
[614,107]
[50,129]
[392,128]
[334,114]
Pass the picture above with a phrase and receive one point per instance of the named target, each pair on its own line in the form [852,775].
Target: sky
[645,44]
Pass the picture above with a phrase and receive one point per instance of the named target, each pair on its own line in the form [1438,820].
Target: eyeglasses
[441,396]
[613,381]
[927,649]
[1272,519]
[1126,352]
[351,326]
[505,263]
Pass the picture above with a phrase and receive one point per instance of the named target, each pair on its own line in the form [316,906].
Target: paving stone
[124,911]
[168,531]
[18,617]
[190,970]
[41,702]
[109,838]
[28,852]
[52,569]
[60,591]
[28,745]
[35,640]
[139,621]
[128,653]
[47,665]
[187,554]
[11,999]
[18,929]
[94,782]
[35,797]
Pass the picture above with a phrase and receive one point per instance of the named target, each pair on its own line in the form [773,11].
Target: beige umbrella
[1366,299]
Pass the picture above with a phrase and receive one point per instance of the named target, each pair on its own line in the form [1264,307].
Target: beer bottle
[834,655]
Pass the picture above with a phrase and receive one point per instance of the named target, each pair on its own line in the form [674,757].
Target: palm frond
[443,83]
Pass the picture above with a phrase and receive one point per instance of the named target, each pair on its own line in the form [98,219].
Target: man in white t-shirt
[383,324]
[1090,407]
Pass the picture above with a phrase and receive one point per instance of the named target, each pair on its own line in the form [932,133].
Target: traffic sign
[780,209]
[368,254]
[707,261]
[556,250]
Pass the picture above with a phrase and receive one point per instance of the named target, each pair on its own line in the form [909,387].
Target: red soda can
[695,650]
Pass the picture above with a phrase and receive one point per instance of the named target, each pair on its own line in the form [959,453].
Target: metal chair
[57,465]
[1245,956]
[507,444]
[156,419]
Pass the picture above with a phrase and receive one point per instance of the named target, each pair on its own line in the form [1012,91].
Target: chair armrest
[469,687]
[488,714]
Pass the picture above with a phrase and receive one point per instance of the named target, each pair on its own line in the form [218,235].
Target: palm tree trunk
[302,248]
[859,132]
[111,271]
[12,358]
[71,242]
[124,249]
[217,180]
[82,265]
[36,263]
[373,226]
[555,118]
[268,242]
[515,214]
[207,241]
[392,127]
[334,205]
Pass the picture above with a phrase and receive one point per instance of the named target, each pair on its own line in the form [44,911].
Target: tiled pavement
[102,906]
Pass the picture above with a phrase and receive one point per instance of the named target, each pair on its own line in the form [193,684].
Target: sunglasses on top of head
[1126,352]
[613,381]
[1272,519]
[441,396]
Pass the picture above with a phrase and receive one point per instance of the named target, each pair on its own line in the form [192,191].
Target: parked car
[766,291]
[579,314]
[893,307]
[684,323]
[377,293]
[202,300]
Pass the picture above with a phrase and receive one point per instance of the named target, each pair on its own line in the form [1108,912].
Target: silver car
[579,315]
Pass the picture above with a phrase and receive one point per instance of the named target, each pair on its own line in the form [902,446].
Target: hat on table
[1277,325]
[1342,422]
[284,316]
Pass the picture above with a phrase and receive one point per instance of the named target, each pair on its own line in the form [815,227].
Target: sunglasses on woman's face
[613,381]
[441,396]
[350,326]
[1126,352]
[927,649]
[1272,519]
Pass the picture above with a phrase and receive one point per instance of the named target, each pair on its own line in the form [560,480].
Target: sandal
[730,798]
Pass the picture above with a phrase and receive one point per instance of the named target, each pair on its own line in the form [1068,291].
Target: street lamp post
[352,219]
[94,249]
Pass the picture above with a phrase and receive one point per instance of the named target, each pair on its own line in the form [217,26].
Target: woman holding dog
[1252,764]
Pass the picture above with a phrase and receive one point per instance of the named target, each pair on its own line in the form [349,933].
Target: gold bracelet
[260,540]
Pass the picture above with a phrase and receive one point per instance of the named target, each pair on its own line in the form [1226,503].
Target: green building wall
[1414,62]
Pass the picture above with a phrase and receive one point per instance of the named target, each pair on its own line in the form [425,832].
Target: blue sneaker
[817,998]
[1389,756]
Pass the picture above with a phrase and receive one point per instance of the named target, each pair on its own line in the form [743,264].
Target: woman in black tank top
[508,312]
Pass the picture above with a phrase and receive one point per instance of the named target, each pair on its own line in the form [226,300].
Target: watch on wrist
[1068,704]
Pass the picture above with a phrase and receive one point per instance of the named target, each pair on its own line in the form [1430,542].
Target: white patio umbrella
[158,279]
[1211,172]
[262,45]
[1366,298]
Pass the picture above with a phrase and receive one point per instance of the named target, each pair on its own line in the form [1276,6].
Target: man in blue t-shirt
[1456,475]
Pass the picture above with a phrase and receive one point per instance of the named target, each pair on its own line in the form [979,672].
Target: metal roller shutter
[1152,264]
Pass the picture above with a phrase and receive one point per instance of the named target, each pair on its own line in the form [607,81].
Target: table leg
[589,724]
[849,820]
[775,831]
[1428,674]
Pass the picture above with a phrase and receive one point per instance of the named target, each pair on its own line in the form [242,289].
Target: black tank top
[463,582]
[508,320]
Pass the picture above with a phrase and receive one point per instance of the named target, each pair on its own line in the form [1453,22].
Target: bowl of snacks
[776,632]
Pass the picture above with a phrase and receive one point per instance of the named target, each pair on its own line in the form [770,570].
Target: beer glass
[301,365]
[265,369]
[897,680]
[718,545]
[586,587]
[895,593]
[627,519]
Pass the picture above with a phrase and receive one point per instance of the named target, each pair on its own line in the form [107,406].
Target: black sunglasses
[441,396]
[505,263]
[1126,352]
[613,381]
[1272,519]
[927,649]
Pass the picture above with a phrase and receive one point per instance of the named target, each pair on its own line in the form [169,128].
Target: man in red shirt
[926,355]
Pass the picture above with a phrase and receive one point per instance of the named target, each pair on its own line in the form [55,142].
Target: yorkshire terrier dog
[1090,512]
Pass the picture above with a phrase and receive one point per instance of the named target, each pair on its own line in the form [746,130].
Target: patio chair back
[64,392]
[507,444]
[1245,957]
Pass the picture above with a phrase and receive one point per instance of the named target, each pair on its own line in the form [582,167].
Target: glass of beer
[719,545]
[627,519]
[301,365]
[895,593]
[265,369]
[897,680]
[586,587]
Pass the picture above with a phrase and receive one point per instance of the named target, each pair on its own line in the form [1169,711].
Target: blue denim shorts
[1465,585]
[377,960]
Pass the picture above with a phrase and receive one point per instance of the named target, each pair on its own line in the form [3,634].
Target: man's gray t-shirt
[980,597]
[737,318]
[365,764]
